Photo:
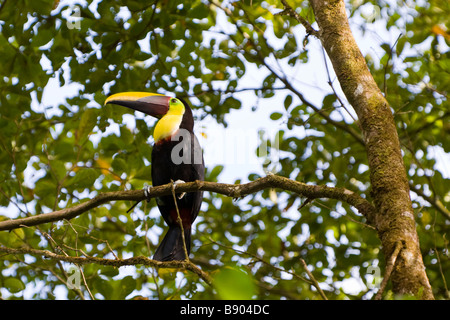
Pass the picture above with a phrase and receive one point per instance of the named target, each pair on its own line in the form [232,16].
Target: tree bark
[394,217]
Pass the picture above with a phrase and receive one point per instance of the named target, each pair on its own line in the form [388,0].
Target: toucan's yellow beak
[153,104]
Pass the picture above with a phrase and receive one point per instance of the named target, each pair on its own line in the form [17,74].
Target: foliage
[56,155]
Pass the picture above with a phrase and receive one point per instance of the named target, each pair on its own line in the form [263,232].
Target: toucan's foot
[180,196]
[147,192]
[178,182]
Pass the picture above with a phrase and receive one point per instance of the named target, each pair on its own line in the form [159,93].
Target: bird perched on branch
[176,157]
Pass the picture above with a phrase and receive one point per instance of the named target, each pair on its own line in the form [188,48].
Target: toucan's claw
[180,196]
[147,193]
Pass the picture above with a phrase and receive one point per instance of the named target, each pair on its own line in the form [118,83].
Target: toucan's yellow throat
[170,122]
[169,110]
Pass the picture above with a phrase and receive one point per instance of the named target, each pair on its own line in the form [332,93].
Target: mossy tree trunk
[390,190]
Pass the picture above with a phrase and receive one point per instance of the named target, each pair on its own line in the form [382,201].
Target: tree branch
[292,13]
[140,260]
[314,281]
[435,202]
[230,190]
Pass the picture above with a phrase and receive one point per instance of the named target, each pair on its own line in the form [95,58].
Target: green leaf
[276,116]
[46,191]
[126,286]
[288,101]
[13,285]
[84,178]
[40,6]
[232,103]
[199,11]
[104,287]
[215,173]
[87,123]
[119,165]
[232,283]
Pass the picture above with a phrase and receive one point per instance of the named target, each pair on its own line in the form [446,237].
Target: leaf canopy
[234,60]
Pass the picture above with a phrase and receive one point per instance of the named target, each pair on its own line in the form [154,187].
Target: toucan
[176,157]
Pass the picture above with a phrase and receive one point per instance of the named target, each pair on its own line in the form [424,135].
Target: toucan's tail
[171,248]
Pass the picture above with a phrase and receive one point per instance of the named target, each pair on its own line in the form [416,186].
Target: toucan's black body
[176,155]
[164,170]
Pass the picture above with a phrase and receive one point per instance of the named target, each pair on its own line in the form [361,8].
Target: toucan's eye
[173,100]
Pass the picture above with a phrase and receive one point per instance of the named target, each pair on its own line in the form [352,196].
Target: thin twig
[436,251]
[180,221]
[389,268]
[387,64]
[434,201]
[330,83]
[85,283]
[314,281]
[288,10]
